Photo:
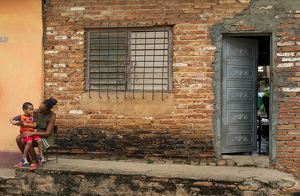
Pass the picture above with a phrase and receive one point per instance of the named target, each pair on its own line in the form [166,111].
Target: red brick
[294,132]
[283,122]
[294,110]
[280,127]
[286,149]
[293,143]
[288,49]
[286,105]
[281,110]
[285,161]
[286,116]
[291,39]
[202,184]
[246,29]
[295,121]
[243,187]
[285,138]
[284,26]
[293,155]
[99,116]
[132,126]
[281,155]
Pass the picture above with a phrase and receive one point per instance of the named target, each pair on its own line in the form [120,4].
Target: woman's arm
[48,131]
[29,125]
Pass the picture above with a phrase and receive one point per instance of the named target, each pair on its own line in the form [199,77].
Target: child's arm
[29,125]
[14,122]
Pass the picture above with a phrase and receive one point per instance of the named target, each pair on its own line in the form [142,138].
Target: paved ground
[172,170]
[196,172]
[166,170]
[7,173]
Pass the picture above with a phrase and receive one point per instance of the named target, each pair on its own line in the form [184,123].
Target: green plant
[149,161]
[207,163]
[188,162]
[267,91]
[271,183]
[259,84]
[262,108]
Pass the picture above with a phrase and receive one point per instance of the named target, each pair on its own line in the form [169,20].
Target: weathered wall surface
[21,63]
[187,126]
[180,125]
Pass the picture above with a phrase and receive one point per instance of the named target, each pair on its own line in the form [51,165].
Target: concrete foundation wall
[56,182]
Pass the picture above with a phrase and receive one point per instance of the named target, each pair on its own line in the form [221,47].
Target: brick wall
[184,130]
[288,62]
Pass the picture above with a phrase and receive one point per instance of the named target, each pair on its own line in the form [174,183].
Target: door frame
[217,84]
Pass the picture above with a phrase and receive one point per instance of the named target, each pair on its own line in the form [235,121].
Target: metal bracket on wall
[3,39]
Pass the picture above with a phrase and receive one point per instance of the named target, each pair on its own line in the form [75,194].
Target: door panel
[239,89]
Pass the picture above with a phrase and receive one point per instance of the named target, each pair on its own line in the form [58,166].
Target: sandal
[42,160]
[24,161]
[19,165]
[33,167]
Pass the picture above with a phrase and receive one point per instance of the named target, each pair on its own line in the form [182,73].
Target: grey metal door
[239,92]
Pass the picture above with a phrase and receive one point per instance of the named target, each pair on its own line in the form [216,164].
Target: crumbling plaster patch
[131,105]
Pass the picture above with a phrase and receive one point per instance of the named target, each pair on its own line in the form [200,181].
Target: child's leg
[28,145]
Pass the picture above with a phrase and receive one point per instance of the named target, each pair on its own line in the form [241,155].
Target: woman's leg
[40,147]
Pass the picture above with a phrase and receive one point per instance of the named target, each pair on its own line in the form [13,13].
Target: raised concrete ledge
[96,177]
[256,161]
[204,173]
[7,173]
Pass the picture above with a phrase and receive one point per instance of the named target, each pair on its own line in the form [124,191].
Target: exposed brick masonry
[184,133]
[288,70]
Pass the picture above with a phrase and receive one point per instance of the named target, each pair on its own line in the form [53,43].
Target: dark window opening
[129,59]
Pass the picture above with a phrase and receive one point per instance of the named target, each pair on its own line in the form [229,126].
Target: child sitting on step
[27,122]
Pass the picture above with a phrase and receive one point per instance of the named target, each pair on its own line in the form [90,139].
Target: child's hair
[25,105]
[49,103]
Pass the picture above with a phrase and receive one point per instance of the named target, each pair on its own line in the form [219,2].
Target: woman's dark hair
[49,103]
[25,105]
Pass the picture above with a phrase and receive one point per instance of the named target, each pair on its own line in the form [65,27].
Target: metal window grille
[137,59]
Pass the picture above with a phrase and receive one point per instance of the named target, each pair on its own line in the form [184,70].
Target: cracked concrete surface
[213,173]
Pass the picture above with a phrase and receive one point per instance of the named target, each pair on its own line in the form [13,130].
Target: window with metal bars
[129,59]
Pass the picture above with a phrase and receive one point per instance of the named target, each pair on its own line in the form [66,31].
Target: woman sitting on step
[45,125]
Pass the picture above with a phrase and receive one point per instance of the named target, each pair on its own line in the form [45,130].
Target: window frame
[129,31]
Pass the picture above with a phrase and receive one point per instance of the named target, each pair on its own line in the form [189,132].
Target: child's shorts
[28,139]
